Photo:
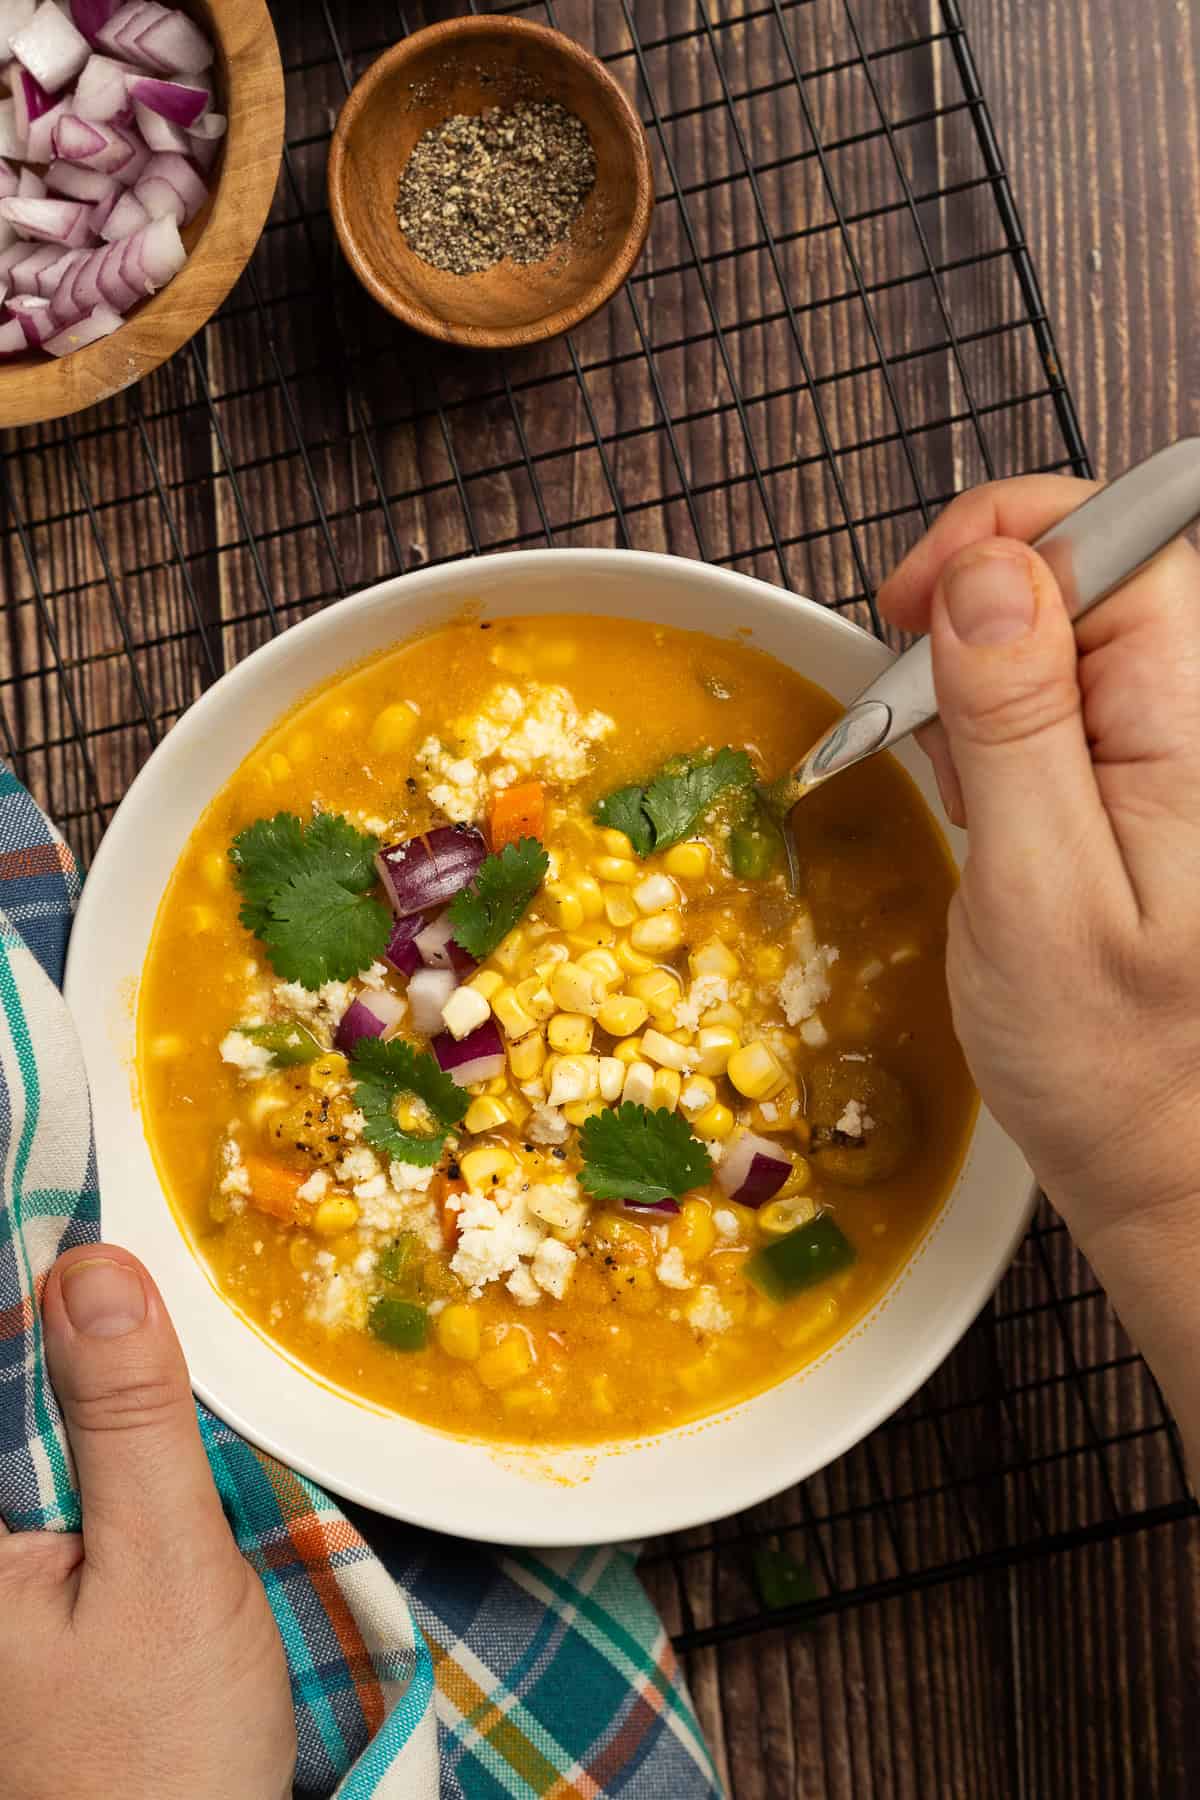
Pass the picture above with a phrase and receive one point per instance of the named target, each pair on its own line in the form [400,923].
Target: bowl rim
[489,337]
[638,1513]
[36,391]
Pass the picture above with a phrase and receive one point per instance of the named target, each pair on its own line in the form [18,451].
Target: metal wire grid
[836,325]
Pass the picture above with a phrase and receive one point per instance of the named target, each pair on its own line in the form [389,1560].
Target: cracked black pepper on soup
[481,187]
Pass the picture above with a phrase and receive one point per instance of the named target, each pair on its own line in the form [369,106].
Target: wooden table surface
[166,534]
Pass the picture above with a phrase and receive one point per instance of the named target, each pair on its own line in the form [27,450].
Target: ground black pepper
[481,187]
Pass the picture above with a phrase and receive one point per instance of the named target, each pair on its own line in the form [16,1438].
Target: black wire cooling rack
[836,326]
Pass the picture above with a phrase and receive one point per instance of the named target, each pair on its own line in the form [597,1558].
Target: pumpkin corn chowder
[490,1065]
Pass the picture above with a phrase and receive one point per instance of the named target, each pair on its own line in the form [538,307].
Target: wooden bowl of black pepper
[490,182]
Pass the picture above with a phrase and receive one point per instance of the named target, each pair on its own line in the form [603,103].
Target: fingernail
[990,600]
[103,1298]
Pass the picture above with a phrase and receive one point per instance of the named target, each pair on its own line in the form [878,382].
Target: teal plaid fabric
[435,1668]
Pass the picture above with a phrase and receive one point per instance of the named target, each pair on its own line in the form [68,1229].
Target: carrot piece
[276,1190]
[517,812]
[451,1207]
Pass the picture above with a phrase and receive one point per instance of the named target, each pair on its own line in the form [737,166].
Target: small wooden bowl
[220,239]
[465,66]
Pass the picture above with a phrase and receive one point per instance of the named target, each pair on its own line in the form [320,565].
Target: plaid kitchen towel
[455,1670]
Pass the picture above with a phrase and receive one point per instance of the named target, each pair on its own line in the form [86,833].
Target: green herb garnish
[485,912]
[631,1153]
[304,893]
[781,1580]
[398,1323]
[288,1042]
[670,807]
[400,1264]
[385,1072]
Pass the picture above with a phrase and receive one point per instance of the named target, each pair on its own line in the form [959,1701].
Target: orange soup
[491,1067]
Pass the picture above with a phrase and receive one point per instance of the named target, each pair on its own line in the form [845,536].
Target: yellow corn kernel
[620,869]
[603,968]
[525,1059]
[612,1077]
[692,1231]
[794,1328]
[639,1084]
[587,890]
[263,1105]
[337,1214]
[654,894]
[485,1114]
[659,991]
[506,1361]
[572,1078]
[518,1109]
[487,982]
[629,1050]
[497,1086]
[592,935]
[509,950]
[687,861]
[725,1014]
[216,869]
[664,1051]
[507,1007]
[659,935]
[279,766]
[459,1332]
[754,1071]
[571,1033]
[714,958]
[774,1114]
[412,1114]
[202,918]
[600,1395]
[485,1168]
[622,1014]
[631,960]
[715,1044]
[616,843]
[664,1090]
[328,1071]
[572,988]
[545,959]
[301,1251]
[727,1268]
[340,718]
[714,1122]
[393,729]
[697,1095]
[779,1217]
[797,1182]
[700,1377]
[562,907]
[530,1402]
[300,748]
[578,1112]
[635,1288]
[536,998]
[618,906]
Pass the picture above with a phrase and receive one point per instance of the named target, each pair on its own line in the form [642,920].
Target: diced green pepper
[806,1256]
[753,850]
[400,1263]
[288,1042]
[781,1580]
[397,1323]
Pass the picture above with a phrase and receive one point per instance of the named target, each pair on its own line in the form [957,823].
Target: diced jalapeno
[754,846]
[397,1323]
[400,1263]
[781,1580]
[801,1259]
[288,1042]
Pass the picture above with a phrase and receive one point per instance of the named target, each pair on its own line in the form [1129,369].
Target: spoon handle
[1092,552]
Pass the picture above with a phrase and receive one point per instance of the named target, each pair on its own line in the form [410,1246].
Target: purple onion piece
[752,1170]
[402,953]
[428,992]
[477,1057]
[438,950]
[426,871]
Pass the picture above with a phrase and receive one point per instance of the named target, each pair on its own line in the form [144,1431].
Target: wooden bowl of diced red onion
[139,150]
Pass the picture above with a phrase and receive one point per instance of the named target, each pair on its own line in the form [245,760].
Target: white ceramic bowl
[516,1496]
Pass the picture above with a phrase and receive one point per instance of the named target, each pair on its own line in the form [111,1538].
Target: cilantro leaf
[486,911]
[385,1072]
[674,802]
[624,811]
[631,1153]
[265,857]
[318,931]
[347,854]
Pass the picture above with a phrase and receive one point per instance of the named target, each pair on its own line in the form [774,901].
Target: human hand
[141,1658]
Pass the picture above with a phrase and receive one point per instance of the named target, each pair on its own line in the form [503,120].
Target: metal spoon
[1092,552]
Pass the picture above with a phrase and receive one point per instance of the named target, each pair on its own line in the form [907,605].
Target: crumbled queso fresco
[510,738]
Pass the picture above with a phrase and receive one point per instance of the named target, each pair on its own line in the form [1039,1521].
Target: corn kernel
[518,1108]
[459,1332]
[779,1217]
[487,982]
[600,1395]
[545,960]
[279,766]
[611,1077]
[525,1058]
[659,991]
[616,868]
[659,935]
[616,843]
[692,1231]
[587,888]
[714,1122]
[573,1078]
[603,968]
[664,1089]
[485,1168]
[618,907]
[263,1105]
[639,1083]
[572,988]
[714,958]
[340,718]
[512,1015]
[664,1051]
[554,1207]
[726,1014]
[393,729]
[698,1378]
[795,1329]
[715,1044]
[578,1112]
[797,1182]
[530,1402]
[634,1288]
[697,1093]
[687,861]
[509,950]
[335,1215]
[561,906]
[216,869]
[629,1050]
[621,1014]
[506,1361]
[497,1086]
[775,1114]
[654,893]
[592,935]
[328,1071]
[571,1033]
[536,998]
[768,962]
[485,1114]
[754,1071]
[632,961]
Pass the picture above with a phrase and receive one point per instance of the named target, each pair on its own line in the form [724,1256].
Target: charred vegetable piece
[802,1259]
[396,1322]
[862,1121]
[288,1042]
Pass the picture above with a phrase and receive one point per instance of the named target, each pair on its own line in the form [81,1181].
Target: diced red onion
[667,1206]
[112,284]
[171,188]
[437,947]
[153,256]
[8,234]
[80,183]
[36,318]
[50,47]
[428,992]
[752,1169]
[102,92]
[375,1013]
[477,1057]
[24,277]
[30,186]
[17,254]
[162,40]
[104,147]
[39,145]
[91,16]
[51,275]
[126,217]
[30,100]
[174,101]
[14,16]
[204,146]
[101,322]
[426,871]
[49,221]
[12,137]
[159,134]
[402,952]
[13,341]
[10,181]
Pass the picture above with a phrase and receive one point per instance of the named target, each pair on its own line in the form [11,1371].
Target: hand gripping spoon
[1092,552]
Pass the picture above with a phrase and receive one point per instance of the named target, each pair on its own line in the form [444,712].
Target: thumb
[1004,666]
[151,1516]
